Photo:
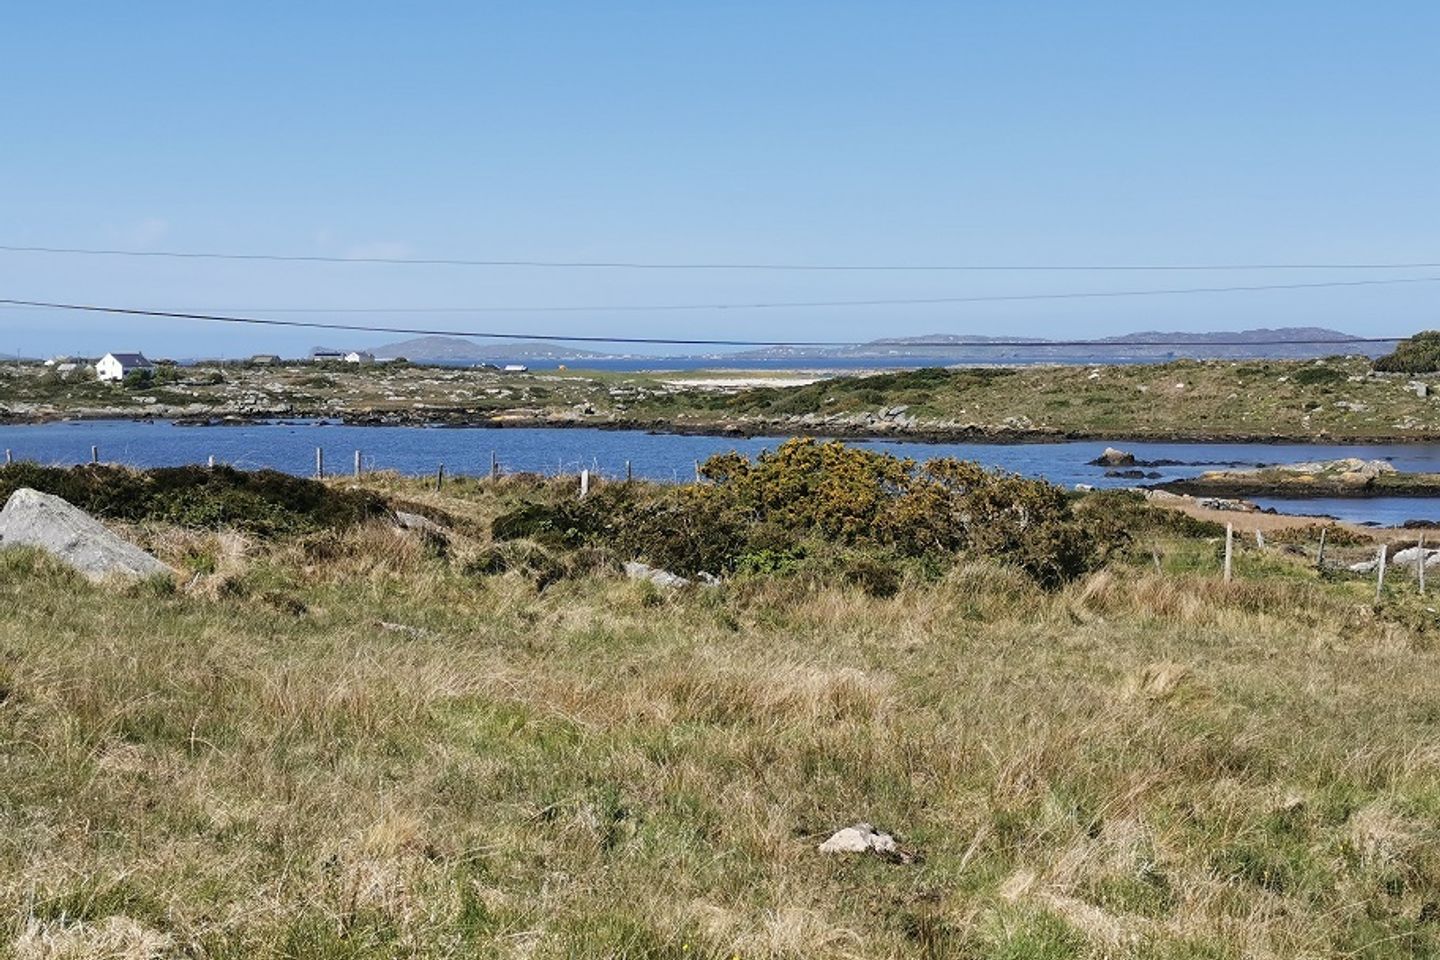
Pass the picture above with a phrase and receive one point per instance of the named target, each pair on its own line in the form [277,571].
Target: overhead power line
[792,304]
[652,265]
[671,341]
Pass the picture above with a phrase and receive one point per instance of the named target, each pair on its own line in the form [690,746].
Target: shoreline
[978,434]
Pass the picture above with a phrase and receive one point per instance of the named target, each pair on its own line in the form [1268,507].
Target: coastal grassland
[1337,399]
[353,742]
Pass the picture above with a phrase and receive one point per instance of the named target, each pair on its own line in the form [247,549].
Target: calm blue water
[978,357]
[291,447]
[731,362]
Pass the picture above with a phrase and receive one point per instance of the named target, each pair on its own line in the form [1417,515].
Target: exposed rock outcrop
[36,519]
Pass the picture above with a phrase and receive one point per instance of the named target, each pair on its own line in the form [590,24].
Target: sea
[290,446]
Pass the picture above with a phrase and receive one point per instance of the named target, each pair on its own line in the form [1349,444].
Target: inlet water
[667,457]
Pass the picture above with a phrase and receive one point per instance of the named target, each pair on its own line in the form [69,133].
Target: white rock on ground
[636,570]
[36,519]
[861,838]
[1408,556]
[414,521]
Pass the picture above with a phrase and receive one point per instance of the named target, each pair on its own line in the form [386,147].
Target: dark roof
[131,359]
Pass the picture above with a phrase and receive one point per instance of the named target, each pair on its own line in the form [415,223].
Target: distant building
[114,366]
[359,356]
[515,368]
[266,359]
[327,356]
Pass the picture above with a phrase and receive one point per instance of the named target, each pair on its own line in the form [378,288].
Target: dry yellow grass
[1142,764]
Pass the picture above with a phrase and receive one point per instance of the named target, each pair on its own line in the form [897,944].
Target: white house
[516,368]
[114,366]
[359,356]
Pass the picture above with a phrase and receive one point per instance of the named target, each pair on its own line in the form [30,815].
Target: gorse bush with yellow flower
[829,500]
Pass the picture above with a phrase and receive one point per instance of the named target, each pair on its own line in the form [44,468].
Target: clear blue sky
[758,131]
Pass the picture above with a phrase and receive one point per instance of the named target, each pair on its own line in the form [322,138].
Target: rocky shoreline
[838,427]
[1348,479]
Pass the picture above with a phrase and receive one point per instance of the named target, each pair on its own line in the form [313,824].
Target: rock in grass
[636,570]
[1406,558]
[414,521]
[35,519]
[864,838]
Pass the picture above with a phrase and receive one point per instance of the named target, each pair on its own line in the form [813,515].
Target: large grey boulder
[35,519]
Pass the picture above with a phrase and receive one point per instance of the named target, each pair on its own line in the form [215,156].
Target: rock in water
[35,519]
[1114,458]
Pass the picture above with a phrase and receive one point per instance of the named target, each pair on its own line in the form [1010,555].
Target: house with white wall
[114,366]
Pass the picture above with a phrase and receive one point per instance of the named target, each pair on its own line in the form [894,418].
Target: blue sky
[778,131]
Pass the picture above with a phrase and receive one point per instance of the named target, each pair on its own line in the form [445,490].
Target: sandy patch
[740,383]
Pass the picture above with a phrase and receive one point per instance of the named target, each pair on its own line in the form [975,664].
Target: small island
[1349,477]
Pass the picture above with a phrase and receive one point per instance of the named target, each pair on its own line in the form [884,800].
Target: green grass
[1333,399]
[1144,763]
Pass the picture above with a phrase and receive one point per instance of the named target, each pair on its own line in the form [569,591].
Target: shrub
[1129,511]
[876,577]
[537,563]
[862,497]
[1310,376]
[263,502]
[807,503]
[1419,354]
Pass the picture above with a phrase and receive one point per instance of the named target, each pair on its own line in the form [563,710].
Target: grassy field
[1335,399]
[349,743]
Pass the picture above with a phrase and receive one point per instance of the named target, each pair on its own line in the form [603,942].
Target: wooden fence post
[629,474]
[697,471]
[439,477]
[1420,564]
[494,466]
[319,463]
[1229,548]
[1380,571]
[94,454]
[1320,554]
[584,482]
[357,465]
[8,461]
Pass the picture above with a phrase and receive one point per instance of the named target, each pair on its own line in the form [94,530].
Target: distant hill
[1261,343]
[438,349]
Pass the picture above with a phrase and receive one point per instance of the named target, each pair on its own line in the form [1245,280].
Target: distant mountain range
[1283,342]
[948,348]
